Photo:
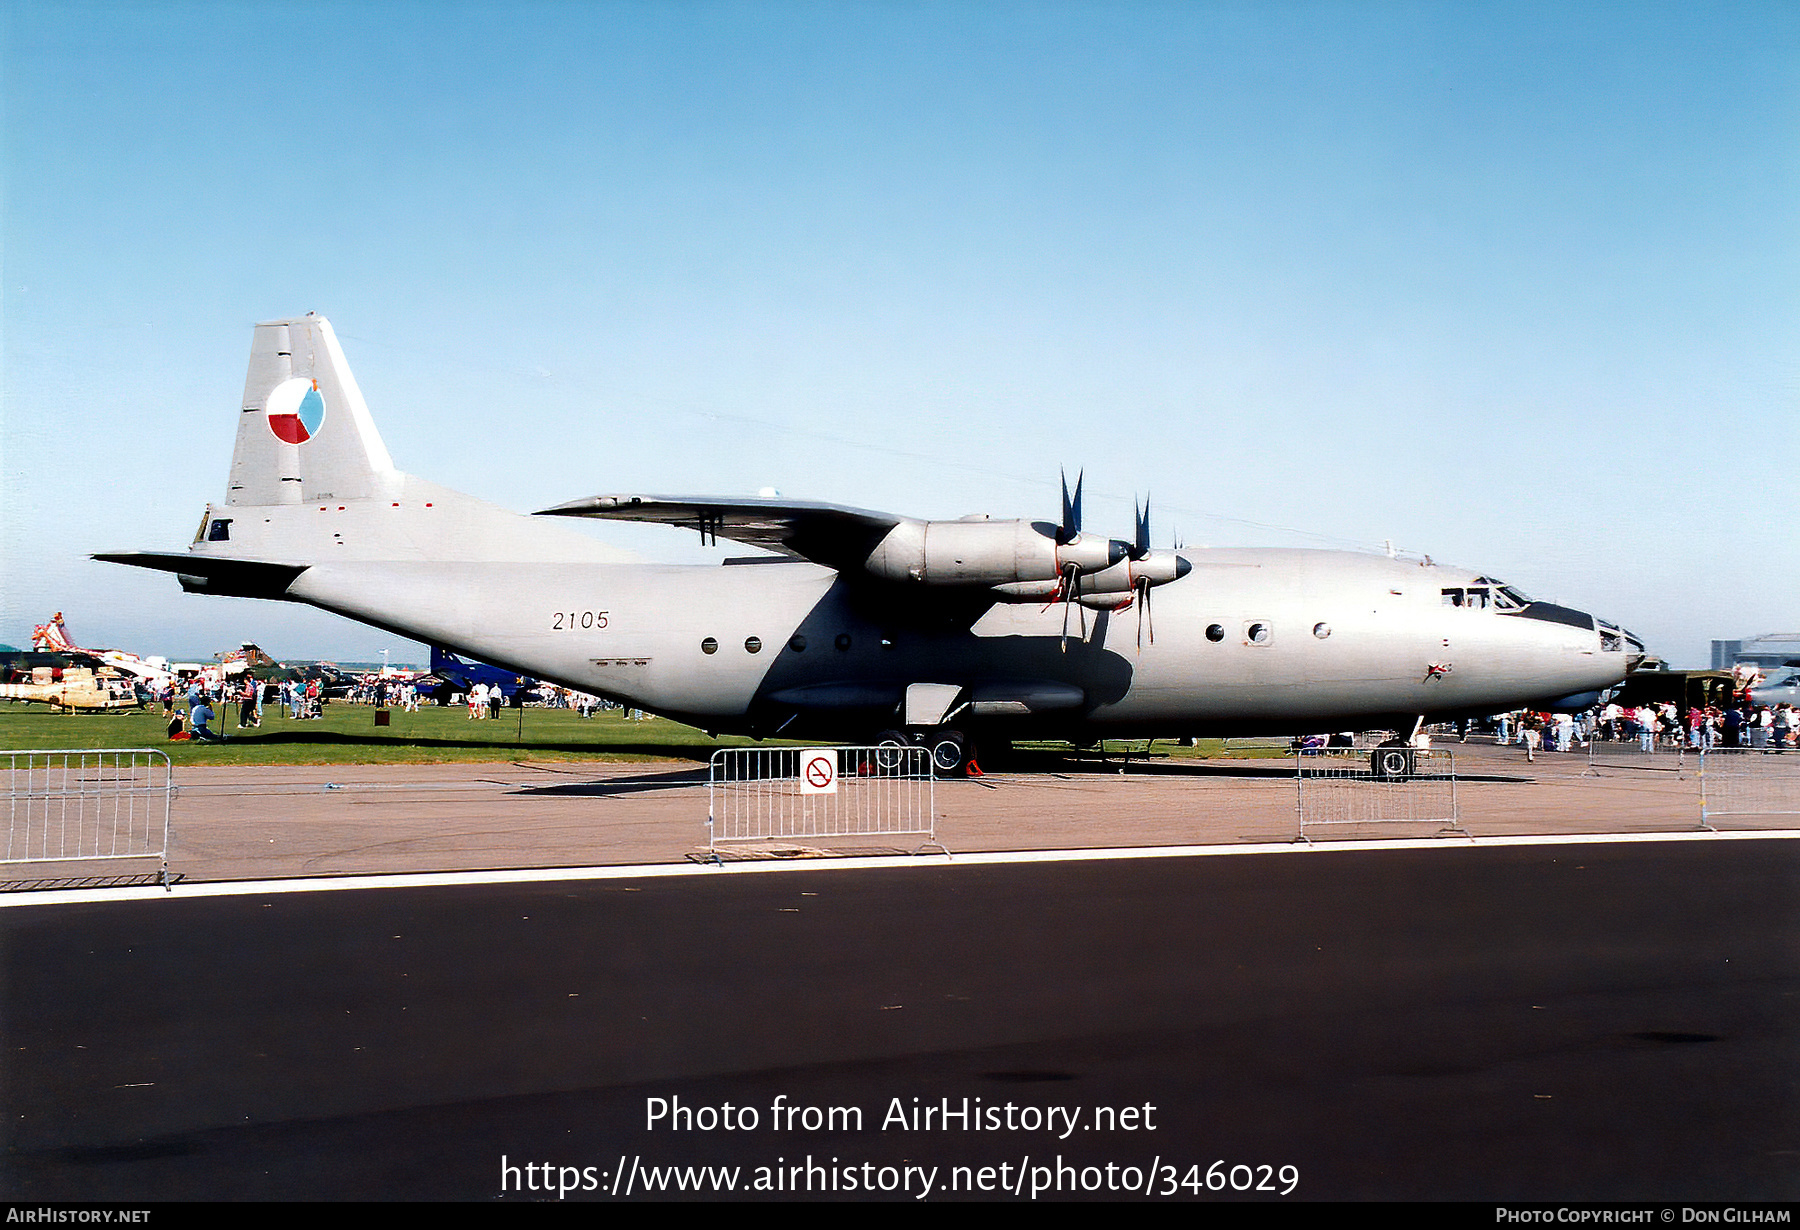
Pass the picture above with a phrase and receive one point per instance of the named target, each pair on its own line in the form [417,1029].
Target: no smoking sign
[818,771]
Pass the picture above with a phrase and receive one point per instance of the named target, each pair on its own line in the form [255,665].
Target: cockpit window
[1507,598]
[1479,597]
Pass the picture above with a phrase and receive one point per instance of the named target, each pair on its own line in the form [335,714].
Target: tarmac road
[1615,1020]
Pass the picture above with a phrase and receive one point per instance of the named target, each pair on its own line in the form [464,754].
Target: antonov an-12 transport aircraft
[865,625]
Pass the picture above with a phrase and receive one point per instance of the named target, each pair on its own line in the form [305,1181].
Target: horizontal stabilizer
[233,578]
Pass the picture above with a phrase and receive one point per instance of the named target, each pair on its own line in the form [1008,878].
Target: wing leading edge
[829,534]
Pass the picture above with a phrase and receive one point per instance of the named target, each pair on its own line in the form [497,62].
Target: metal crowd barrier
[1630,753]
[768,794]
[1748,781]
[1384,785]
[88,805]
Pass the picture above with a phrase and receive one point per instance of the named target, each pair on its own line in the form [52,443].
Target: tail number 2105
[568,621]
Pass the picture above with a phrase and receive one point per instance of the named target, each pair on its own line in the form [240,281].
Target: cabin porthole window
[1321,630]
[709,645]
[1257,633]
[843,640]
[797,643]
[753,644]
[1215,632]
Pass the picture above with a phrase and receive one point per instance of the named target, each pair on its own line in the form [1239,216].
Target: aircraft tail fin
[305,431]
[52,637]
[306,445]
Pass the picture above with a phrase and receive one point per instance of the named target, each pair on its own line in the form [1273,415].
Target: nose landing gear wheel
[1393,763]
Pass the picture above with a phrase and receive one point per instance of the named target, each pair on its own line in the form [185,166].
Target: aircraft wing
[828,534]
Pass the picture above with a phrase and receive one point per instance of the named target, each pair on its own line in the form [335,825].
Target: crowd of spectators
[306,699]
[1652,727]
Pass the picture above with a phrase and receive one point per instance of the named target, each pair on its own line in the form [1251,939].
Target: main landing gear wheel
[949,752]
[891,752]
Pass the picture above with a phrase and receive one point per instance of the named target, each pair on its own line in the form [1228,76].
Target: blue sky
[1514,285]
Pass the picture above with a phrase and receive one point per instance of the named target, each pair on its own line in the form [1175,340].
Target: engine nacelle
[982,552]
[1126,576]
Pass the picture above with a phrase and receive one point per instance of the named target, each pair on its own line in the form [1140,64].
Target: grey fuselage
[1308,640]
[1780,686]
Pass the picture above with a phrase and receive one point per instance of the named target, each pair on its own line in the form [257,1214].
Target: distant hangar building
[1772,649]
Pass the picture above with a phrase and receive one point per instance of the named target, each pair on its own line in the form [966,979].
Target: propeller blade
[1070,593]
[1140,545]
[1068,578]
[1071,506]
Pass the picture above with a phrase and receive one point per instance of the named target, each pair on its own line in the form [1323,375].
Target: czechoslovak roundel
[296,411]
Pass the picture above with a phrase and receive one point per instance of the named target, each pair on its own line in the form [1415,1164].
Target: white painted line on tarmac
[564,875]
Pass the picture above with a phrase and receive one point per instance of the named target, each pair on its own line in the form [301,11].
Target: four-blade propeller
[1067,534]
[1150,568]
[1127,575]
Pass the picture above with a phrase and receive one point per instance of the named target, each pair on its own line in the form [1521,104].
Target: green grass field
[347,734]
